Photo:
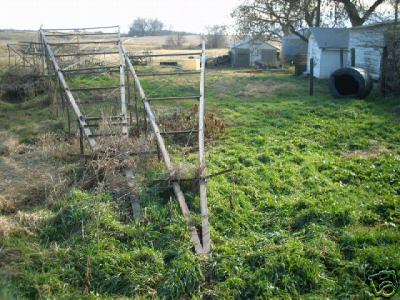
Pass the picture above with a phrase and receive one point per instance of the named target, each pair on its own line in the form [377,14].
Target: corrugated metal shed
[247,52]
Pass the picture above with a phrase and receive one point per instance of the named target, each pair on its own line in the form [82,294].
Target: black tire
[350,83]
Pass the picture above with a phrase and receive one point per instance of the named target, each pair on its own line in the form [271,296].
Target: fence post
[81,139]
[353,57]
[311,76]
[383,71]
[341,58]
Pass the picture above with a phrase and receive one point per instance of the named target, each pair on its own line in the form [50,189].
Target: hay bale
[192,64]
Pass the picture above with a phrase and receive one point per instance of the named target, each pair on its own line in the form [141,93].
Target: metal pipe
[86,53]
[167,160]
[202,158]
[174,98]
[166,54]
[311,76]
[122,90]
[95,88]
[179,132]
[82,28]
[83,42]
[167,73]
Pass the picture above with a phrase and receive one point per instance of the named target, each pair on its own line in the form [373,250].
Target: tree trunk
[318,16]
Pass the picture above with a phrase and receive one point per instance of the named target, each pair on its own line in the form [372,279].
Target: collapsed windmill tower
[65,53]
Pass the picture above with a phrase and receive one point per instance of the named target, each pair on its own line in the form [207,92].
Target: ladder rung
[179,132]
[94,88]
[174,98]
[102,118]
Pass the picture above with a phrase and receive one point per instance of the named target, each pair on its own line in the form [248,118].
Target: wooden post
[68,119]
[9,55]
[311,76]
[202,158]
[81,139]
[341,58]
[353,57]
[383,71]
[144,121]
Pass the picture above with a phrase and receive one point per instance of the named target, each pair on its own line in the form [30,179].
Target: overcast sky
[185,15]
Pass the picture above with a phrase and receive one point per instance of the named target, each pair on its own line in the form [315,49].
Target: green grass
[310,211]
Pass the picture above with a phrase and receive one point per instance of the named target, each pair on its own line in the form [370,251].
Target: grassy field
[310,210]
[155,43]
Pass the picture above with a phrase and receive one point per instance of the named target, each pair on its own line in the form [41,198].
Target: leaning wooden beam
[202,159]
[167,160]
[70,97]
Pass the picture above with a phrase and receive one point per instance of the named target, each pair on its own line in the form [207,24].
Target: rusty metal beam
[167,73]
[67,91]
[122,90]
[86,53]
[167,159]
[202,158]
[174,98]
[164,55]
[78,29]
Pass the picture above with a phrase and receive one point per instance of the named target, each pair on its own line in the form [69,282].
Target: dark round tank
[350,82]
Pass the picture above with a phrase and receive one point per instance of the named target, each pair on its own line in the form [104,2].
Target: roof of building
[249,40]
[380,24]
[331,37]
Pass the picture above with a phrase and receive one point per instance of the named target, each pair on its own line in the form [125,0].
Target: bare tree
[276,18]
[155,26]
[175,41]
[359,12]
[139,27]
[142,27]
[396,4]
[216,36]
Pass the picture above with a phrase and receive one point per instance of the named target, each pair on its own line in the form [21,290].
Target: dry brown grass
[372,152]
[260,89]
[31,179]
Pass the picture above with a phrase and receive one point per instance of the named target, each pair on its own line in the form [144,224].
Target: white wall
[369,43]
[313,52]
[330,62]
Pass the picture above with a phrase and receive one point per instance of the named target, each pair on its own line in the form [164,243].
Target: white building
[329,49]
[368,42]
[247,53]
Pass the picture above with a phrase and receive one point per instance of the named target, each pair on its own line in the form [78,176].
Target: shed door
[268,57]
[243,58]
